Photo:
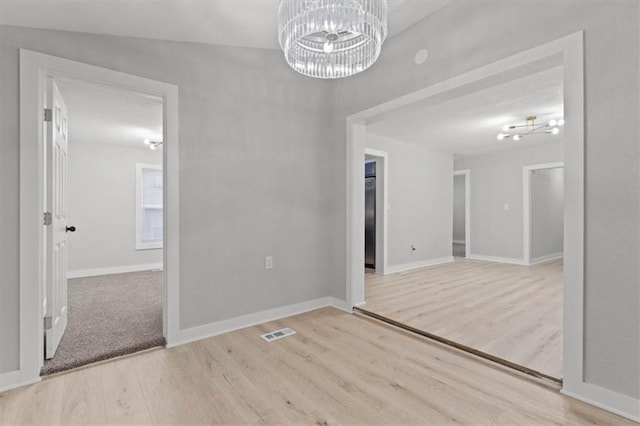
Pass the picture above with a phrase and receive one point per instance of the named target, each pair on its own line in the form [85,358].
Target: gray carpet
[109,316]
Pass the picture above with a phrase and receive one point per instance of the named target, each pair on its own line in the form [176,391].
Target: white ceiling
[108,115]
[243,23]
[468,125]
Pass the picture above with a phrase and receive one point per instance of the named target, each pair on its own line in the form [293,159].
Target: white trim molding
[396,269]
[606,399]
[546,258]
[140,207]
[82,273]
[35,69]
[15,379]
[226,326]
[497,259]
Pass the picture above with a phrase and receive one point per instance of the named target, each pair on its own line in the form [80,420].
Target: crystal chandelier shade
[332,38]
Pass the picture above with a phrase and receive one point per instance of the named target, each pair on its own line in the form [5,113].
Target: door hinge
[48,219]
[48,114]
[48,322]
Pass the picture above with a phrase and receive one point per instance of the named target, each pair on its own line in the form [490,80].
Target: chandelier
[331,38]
[519,131]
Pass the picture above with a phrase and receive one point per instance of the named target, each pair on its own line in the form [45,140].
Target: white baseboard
[497,259]
[341,305]
[15,379]
[113,270]
[459,242]
[614,402]
[546,258]
[415,265]
[226,326]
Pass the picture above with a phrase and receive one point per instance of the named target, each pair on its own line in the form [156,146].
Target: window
[149,216]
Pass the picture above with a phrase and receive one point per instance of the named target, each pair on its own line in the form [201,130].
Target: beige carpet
[109,316]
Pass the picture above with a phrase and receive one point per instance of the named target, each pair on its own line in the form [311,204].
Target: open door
[55,321]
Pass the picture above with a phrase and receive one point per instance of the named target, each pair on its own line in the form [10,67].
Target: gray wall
[496,181]
[102,204]
[421,211]
[466,35]
[253,154]
[547,212]
[459,211]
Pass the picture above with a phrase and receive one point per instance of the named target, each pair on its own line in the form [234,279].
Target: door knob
[70,229]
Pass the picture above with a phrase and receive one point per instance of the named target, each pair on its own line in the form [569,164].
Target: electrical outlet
[506,207]
[268,262]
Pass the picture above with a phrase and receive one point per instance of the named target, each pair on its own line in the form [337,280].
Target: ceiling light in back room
[332,38]
[530,127]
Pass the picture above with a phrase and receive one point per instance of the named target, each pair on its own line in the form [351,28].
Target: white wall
[496,182]
[102,205]
[253,151]
[459,211]
[466,35]
[421,201]
[547,212]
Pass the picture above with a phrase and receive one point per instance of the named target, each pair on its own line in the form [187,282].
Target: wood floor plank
[338,369]
[83,401]
[41,403]
[510,311]
[10,406]
[123,395]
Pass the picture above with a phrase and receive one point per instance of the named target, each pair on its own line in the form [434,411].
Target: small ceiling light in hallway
[153,145]
[332,38]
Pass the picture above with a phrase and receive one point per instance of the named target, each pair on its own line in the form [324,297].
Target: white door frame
[382,157]
[467,209]
[526,205]
[569,51]
[35,68]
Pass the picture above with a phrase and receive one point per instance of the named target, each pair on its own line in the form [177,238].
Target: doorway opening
[104,295]
[461,213]
[421,223]
[49,191]
[491,300]
[543,209]
[376,172]
[370,206]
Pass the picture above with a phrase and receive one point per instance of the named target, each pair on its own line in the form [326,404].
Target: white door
[56,201]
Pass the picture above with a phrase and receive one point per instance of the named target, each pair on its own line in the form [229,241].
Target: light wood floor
[339,368]
[510,311]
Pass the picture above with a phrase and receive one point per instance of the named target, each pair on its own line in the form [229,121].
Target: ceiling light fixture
[153,145]
[332,38]
[519,131]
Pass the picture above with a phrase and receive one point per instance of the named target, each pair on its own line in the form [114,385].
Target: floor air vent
[275,335]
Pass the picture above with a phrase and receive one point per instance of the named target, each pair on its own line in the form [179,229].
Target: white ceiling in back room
[467,125]
[242,23]
[109,115]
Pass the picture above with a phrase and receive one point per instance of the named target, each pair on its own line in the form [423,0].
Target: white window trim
[141,245]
